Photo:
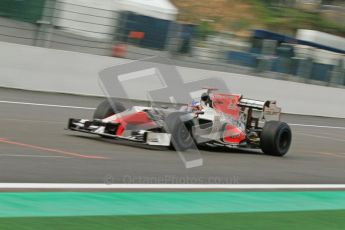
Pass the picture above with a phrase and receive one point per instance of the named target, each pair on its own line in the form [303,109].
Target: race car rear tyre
[105,109]
[275,138]
[181,137]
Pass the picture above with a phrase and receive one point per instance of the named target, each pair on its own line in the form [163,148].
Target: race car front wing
[108,129]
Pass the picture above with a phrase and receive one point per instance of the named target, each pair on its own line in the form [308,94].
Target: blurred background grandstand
[297,40]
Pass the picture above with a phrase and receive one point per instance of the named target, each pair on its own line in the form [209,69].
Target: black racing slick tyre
[275,138]
[107,108]
[181,136]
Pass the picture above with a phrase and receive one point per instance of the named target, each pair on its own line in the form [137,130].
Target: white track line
[46,105]
[318,126]
[89,108]
[167,186]
[33,156]
[32,121]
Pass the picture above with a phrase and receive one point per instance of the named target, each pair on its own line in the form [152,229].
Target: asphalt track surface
[35,148]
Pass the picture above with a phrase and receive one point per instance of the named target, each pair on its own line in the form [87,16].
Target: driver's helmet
[206,100]
[205,97]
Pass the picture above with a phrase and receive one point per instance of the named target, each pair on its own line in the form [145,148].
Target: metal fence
[64,25]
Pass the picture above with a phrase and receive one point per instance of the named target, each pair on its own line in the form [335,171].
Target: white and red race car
[215,119]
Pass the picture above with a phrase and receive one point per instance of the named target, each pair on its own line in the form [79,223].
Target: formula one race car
[214,119]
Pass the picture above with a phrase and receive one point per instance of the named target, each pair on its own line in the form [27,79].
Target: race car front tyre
[106,109]
[275,138]
[181,137]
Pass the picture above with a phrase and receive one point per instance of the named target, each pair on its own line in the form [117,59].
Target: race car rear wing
[269,109]
[254,104]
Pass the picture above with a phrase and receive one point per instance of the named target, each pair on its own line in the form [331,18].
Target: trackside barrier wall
[49,70]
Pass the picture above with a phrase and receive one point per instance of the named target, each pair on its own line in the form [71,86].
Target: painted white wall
[322,38]
[319,55]
[92,18]
[162,9]
[98,19]
[48,70]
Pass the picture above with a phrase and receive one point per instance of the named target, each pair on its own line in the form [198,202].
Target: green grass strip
[311,220]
